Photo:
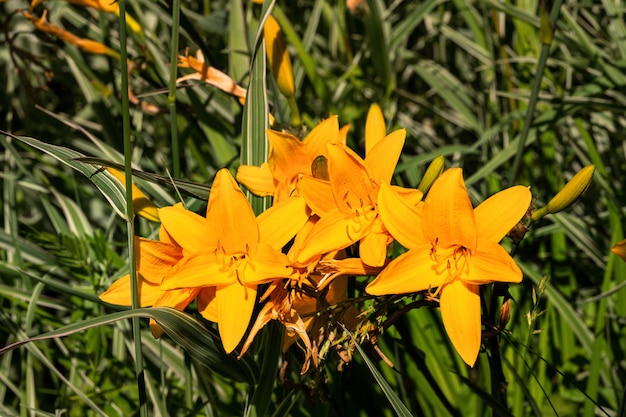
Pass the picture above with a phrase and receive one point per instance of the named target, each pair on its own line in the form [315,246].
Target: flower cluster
[334,214]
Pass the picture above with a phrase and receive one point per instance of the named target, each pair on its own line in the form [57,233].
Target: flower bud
[572,190]
[278,58]
[433,172]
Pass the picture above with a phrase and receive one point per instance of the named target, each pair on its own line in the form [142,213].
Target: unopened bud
[278,58]
[568,194]
[572,190]
[505,313]
[433,172]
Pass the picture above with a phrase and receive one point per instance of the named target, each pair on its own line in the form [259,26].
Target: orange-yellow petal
[383,158]
[265,265]
[119,292]
[410,272]
[280,223]
[156,258]
[235,304]
[448,212]
[258,180]
[499,213]
[229,216]
[373,248]
[492,263]
[289,156]
[207,306]
[334,231]
[402,220]
[349,178]
[188,229]
[178,299]
[201,269]
[317,194]
[460,312]
[375,129]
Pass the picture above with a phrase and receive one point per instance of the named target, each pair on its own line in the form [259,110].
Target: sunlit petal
[410,272]
[373,248]
[119,292]
[266,265]
[156,258]
[491,263]
[201,269]
[188,229]
[375,129]
[411,196]
[289,156]
[460,311]
[500,212]
[332,232]
[349,178]
[317,194]
[404,222]
[235,304]
[448,213]
[383,158]
[230,217]
[258,180]
[280,223]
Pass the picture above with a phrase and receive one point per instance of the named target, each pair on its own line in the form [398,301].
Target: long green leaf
[104,181]
[397,404]
[198,341]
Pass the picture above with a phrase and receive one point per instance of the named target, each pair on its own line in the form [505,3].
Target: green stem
[171,98]
[141,385]
[547,32]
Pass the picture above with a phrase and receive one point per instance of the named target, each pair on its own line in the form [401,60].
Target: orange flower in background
[210,75]
[288,158]
[86,45]
[620,249]
[454,248]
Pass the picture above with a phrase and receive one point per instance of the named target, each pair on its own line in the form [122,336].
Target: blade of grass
[397,404]
[128,152]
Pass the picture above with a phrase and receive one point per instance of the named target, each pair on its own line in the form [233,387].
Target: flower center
[236,263]
[453,261]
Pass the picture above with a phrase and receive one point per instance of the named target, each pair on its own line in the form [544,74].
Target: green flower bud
[433,172]
[572,190]
[568,194]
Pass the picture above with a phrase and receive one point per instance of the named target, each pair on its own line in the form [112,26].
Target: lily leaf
[201,343]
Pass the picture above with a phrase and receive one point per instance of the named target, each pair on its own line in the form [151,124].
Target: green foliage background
[515,92]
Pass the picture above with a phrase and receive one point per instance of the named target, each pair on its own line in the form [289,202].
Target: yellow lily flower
[453,247]
[155,259]
[351,215]
[224,250]
[109,6]
[288,158]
